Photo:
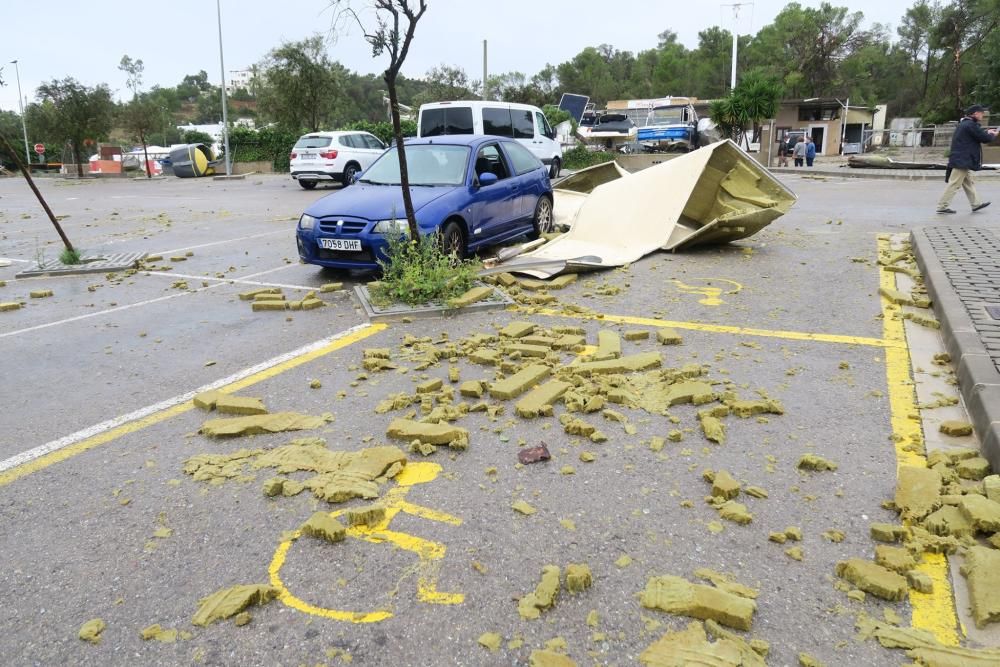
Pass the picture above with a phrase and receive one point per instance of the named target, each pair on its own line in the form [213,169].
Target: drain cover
[994,312]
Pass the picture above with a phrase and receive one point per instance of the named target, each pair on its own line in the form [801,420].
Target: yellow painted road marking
[718,328]
[711,294]
[428,552]
[72,450]
[934,612]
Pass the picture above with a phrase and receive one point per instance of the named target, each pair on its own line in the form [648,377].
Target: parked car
[333,156]
[473,190]
[523,122]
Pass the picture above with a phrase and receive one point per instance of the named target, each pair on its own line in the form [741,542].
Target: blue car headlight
[392,228]
[307,222]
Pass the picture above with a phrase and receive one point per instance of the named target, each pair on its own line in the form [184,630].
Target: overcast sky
[86,40]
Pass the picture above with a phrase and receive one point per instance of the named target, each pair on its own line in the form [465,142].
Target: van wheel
[350,171]
[555,168]
[453,240]
[307,185]
[543,222]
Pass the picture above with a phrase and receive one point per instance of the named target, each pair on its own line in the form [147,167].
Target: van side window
[496,122]
[437,122]
[524,124]
[543,125]
[521,158]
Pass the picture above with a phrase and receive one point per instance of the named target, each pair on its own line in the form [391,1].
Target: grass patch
[580,157]
[68,256]
[419,272]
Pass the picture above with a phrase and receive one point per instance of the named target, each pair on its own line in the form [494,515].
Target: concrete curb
[978,378]
[399,312]
[90,262]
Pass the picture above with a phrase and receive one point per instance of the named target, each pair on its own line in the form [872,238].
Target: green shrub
[68,256]
[580,157]
[419,272]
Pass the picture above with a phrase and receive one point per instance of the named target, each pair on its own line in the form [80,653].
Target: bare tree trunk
[31,183]
[145,156]
[404,174]
[76,158]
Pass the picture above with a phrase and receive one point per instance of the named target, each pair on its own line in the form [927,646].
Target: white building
[238,79]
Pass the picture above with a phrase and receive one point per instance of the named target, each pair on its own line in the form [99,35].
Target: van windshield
[446,120]
[312,142]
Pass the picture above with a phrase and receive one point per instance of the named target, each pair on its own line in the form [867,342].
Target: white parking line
[11,259]
[206,245]
[49,447]
[234,281]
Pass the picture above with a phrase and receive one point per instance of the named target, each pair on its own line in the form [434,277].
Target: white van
[523,122]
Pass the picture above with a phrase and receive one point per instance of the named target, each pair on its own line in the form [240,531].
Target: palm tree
[754,99]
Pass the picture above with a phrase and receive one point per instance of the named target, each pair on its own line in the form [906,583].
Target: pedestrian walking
[799,152]
[966,158]
[810,151]
[782,153]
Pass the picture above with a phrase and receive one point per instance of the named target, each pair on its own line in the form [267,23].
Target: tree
[962,29]
[916,37]
[133,71]
[140,117]
[396,22]
[193,85]
[301,85]
[445,83]
[71,112]
[754,98]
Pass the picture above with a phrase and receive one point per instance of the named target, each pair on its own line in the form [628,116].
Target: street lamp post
[20,105]
[225,115]
[843,123]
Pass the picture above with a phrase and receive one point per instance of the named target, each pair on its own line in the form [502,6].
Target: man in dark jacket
[966,157]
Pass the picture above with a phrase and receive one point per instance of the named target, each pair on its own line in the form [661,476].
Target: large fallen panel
[715,194]
[571,193]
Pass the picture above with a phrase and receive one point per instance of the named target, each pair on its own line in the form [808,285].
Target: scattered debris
[230,601]
[543,597]
[256,424]
[91,631]
[323,526]
[534,454]
[677,595]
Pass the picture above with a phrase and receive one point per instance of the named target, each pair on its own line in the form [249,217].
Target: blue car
[474,190]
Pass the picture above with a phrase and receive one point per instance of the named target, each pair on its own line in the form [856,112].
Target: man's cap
[975,108]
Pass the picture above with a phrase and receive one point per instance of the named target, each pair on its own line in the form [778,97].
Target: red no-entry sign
[39,148]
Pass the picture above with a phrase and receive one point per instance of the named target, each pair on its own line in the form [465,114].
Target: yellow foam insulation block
[268,296]
[991,487]
[918,492]
[40,293]
[676,595]
[983,513]
[633,362]
[251,295]
[239,405]
[982,572]
[490,640]
[668,336]
[433,434]
[517,330]
[206,400]
[324,527]
[519,382]
[472,296]
[923,647]
[609,346]
[429,386]
[873,578]
[9,305]
[975,468]
[724,486]
[713,429]
[528,350]
[691,391]
[256,424]
[541,397]
[331,287]
[485,356]
[578,577]
[691,646]
[523,507]
[543,597]
[745,409]
[949,520]
[471,389]
[817,463]
[726,583]
[896,559]
[270,305]
[231,601]
[91,631]
[157,633]
[546,658]
[365,516]
[896,297]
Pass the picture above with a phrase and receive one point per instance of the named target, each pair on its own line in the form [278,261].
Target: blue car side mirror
[487,178]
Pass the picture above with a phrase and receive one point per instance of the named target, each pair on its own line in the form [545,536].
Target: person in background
[782,152]
[799,152]
[966,158]
[810,151]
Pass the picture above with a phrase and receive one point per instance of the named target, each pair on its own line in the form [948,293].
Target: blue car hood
[375,202]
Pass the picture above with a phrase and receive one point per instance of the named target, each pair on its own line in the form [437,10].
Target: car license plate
[308,155]
[340,244]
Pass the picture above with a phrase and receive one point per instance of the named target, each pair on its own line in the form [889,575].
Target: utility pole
[20,105]
[484,72]
[225,115]
[736,16]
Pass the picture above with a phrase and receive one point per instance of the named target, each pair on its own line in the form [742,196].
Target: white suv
[335,156]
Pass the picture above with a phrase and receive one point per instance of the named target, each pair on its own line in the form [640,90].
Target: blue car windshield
[426,164]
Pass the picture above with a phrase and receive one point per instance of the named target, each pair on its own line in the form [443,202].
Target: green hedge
[580,157]
[273,145]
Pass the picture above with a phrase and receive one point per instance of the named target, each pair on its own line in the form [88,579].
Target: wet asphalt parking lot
[99,372]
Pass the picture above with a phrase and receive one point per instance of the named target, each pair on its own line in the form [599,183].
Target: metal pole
[20,105]
[732,80]
[843,124]
[222,70]
[484,71]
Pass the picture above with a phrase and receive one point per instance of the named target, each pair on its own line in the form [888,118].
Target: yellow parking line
[934,612]
[70,451]
[719,328]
